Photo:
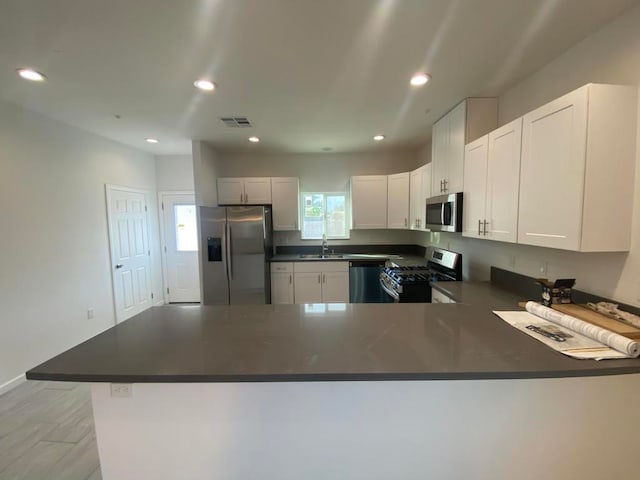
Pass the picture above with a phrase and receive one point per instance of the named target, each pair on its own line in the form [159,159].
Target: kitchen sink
[318,256]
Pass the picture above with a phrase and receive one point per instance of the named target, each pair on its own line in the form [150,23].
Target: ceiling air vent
[236,122]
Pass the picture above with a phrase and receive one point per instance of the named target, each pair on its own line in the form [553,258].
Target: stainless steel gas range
[411,283]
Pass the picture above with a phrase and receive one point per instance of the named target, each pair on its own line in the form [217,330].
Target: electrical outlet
[122,390]
[543,269]
[90,313]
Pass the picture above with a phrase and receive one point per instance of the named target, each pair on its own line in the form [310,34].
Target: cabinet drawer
[282,267]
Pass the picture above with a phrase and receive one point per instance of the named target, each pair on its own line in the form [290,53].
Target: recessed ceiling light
[420,79]
[377,138]
[254,139]
[32,75]
[204,84]
[151,140]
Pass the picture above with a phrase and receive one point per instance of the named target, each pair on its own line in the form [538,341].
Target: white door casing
[128,225]
[179,235]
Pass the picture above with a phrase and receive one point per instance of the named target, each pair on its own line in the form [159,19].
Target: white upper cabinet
[503,182]
[244,191]
[419,191]
[468,121]
[491,179]
[475,187]
[369,201]
[398,200]
[230,191]
[577,173]
[285,197]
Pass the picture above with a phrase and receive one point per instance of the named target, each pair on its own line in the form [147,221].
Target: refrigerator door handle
[225,252]
[229,250]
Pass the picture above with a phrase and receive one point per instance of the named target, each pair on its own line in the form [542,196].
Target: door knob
[119,265]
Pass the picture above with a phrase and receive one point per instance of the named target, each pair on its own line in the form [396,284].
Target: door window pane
[185,228]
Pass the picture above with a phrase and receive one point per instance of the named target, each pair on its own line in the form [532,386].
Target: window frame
[347,214]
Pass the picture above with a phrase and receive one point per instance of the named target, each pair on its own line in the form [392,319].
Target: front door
[180,232]
[130,253]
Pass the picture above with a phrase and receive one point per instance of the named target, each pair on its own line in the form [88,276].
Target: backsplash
[597,273]
[357,237]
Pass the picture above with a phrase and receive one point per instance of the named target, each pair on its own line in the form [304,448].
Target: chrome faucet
[325,247]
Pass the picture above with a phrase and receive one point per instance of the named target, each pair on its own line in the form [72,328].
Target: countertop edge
[331,377]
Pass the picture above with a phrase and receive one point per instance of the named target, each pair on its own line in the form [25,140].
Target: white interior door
[180,236]
[130,253]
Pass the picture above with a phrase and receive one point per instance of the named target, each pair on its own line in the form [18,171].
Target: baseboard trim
[11,384]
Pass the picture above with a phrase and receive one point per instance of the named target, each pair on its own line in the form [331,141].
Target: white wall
[611,55]
[174,172]
[54,248]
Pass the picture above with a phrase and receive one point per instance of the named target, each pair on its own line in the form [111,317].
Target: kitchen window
[324,213]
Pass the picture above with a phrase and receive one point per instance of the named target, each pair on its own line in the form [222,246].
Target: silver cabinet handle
[318,278]
[444,183]
[485,227]
[230,252]
[324,278]
[290,279]
[119,265]
[246,198]
[479,223]
[405,222]
[241,198]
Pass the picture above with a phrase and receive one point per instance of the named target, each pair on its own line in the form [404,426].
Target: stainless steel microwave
[444,213]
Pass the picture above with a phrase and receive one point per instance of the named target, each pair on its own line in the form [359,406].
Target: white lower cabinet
[321,282]
[438,297]
[282,283]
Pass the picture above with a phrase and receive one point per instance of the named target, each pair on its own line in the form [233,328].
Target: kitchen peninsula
[322,391]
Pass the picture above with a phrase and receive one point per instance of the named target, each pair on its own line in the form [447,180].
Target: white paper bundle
[617,342]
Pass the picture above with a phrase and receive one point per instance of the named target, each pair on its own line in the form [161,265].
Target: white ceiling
[309,74]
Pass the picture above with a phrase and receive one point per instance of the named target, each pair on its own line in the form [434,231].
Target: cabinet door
[307,287]
[439,148]
[475,188]
[285,197]
[398,200]
[552,173]
[369,201]
[455,149]
[503,182]
[415,196]
[257,190]
[335,287]
[230,191]
[438,297]
[281,288]
[426,193]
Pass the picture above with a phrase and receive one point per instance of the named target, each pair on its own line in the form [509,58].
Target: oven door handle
[391,293]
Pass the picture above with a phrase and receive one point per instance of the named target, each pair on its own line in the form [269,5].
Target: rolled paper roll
[617,342]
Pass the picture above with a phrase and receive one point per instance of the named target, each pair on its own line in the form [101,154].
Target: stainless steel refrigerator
[237,245]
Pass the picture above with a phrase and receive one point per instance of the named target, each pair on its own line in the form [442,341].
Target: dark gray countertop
[339,342]
[348,257]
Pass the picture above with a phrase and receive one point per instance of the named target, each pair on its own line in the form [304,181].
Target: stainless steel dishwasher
[364,282]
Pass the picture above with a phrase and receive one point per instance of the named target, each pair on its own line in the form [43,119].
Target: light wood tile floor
[47,433]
